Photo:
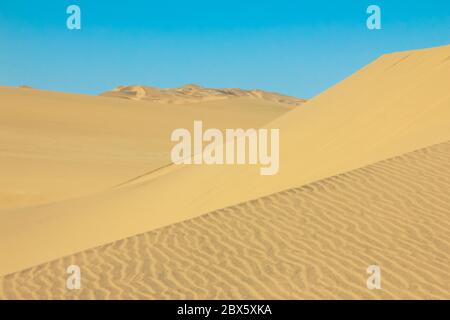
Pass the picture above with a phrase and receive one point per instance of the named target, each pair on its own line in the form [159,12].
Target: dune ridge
[312,242]
[192,93]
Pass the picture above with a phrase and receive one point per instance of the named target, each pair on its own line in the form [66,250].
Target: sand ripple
[305,243]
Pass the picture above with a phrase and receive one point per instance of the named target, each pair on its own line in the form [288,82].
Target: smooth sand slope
[303,243]
[397,104]
[55,146]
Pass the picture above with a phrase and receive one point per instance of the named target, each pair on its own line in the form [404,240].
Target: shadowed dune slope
[304,243]
[397,104]
[55,146]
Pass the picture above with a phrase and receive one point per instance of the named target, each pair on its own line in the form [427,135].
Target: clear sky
[297,47]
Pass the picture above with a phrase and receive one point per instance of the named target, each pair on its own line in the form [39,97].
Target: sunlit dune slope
[313,242]
[397,104]
[55,146]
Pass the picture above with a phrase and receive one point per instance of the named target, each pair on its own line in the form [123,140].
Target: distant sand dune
[192,93]
[304,243]
[48,139]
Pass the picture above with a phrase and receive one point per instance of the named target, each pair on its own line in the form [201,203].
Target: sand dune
[395,105]
[194,93]
[313,242]
[55,146]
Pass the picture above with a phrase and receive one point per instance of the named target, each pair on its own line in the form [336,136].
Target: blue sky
[294,47]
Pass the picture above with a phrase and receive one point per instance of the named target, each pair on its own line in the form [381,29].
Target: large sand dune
[55,146]
[313,242]
[397,104]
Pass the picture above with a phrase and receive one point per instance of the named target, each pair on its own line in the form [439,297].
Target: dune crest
[192,93]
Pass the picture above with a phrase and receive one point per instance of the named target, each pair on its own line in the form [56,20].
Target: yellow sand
[313,242]
[192,93]
[55,146]
[395,105]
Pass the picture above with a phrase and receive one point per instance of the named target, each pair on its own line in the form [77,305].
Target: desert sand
[192,93]
[312,242]
[308,232]
[56,146]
